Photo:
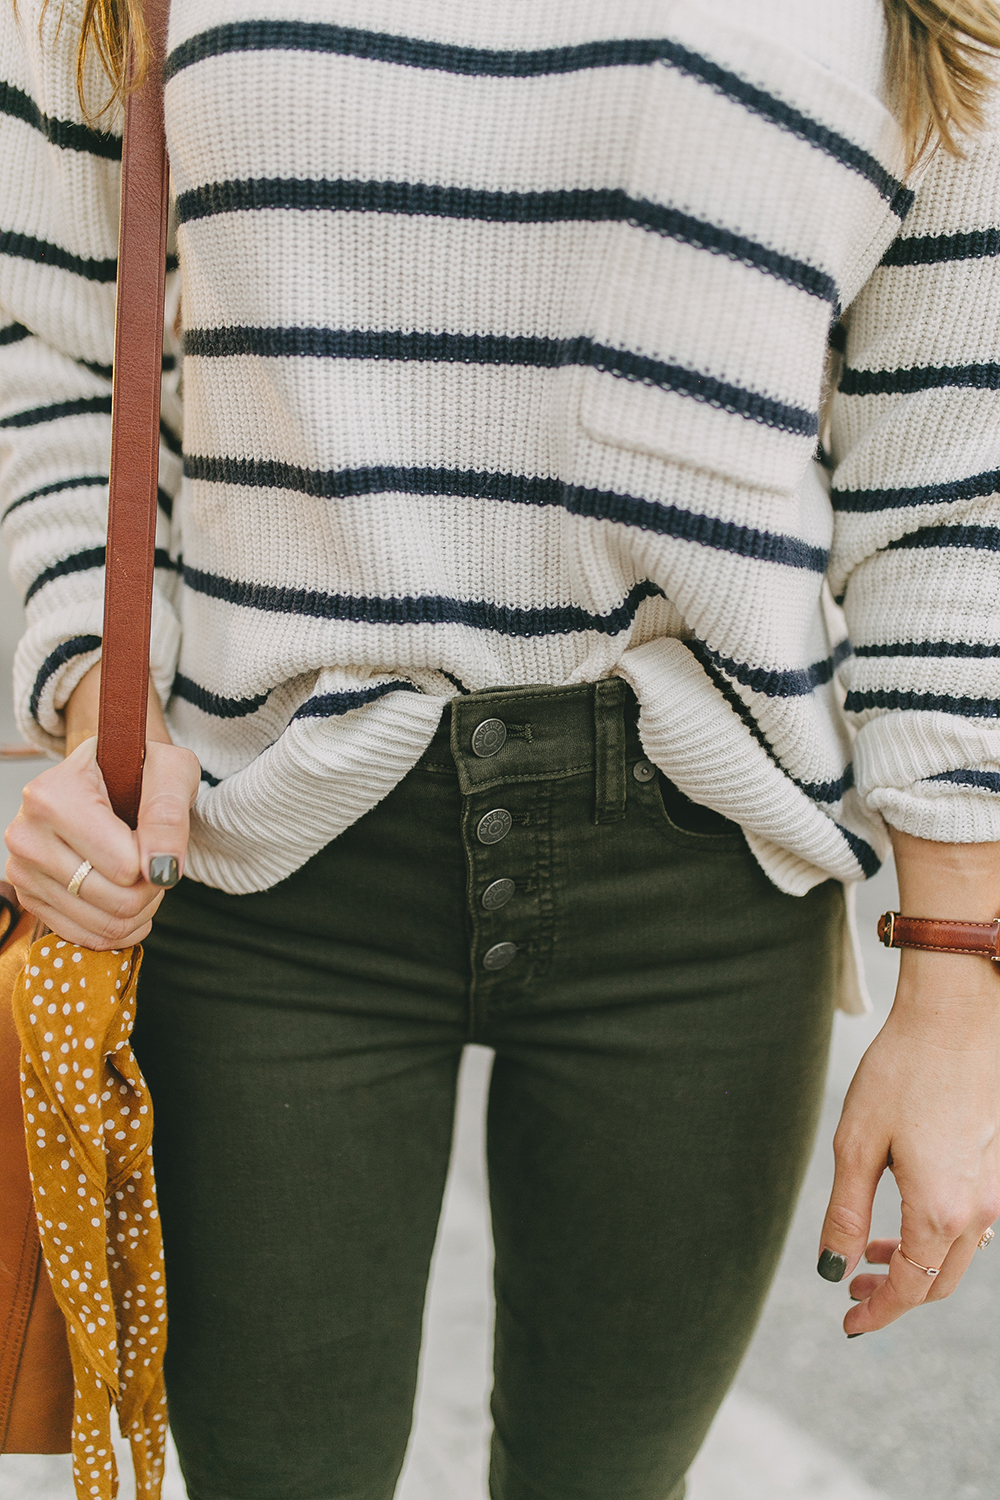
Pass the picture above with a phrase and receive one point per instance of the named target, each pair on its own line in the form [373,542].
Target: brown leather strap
[941,935]
[135,433]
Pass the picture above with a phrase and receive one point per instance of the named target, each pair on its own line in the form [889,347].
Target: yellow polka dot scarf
[89,1128]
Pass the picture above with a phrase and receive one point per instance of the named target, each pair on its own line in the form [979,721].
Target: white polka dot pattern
[89,1127]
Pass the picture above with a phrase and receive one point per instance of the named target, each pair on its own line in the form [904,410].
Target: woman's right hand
[66,818]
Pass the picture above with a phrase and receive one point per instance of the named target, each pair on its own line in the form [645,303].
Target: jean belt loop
[609,750]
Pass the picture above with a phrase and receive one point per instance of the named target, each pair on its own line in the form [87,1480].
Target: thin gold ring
[80,874]
[927,1270]
[987,1236]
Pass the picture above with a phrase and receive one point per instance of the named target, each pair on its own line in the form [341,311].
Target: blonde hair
[109,25]
[939,69]
[938,62]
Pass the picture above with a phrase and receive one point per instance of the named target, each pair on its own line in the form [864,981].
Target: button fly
[499,956]
[494,826]
[489,737]
[498,894]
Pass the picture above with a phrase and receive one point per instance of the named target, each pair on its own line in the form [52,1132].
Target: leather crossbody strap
[135,433]
[941,935]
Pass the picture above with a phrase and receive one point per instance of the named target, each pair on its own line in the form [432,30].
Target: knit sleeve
[59,194]
[916,493]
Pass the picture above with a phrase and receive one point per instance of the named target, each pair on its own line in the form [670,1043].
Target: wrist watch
[941,935]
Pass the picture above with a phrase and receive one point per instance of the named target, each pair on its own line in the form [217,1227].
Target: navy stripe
[82,562]
[78,646]
[81,481]
[942,703]
[106,372]
[598,505]
[14,333]
[26,247]
[164,500]
[792,682]
[213,703]
[862,851]
[502,349]
[923,378]
[170,440]
[571,205]
[982,538]
[971,649]
[96,405]
[331,705]
[412,52]
[65,133]
[456,682]
[931,249]
[209,779]
[816,791]
[975,487]
[988,780]
[428,609]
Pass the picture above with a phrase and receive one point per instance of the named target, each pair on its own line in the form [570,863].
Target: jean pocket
[687,822]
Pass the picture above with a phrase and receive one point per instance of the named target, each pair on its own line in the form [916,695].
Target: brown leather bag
[36,1381]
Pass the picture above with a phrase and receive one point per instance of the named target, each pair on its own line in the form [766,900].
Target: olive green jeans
[660,1015]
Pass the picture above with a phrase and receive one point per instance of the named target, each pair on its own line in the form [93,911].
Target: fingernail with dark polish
[858,1335]
[163,871]
[832,1267]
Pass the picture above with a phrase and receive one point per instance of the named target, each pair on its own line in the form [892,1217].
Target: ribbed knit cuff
[56,652]
[690,731]
[262,823]
[933,775]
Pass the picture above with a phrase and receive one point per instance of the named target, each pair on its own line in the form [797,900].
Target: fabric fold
[89,1127]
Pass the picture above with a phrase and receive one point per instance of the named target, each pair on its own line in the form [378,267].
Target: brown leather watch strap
[135,433]
[941,935]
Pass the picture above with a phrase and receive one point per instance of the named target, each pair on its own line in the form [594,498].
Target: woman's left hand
[925,1102]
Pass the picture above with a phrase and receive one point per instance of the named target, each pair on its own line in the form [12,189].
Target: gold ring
[927,1270]
[79,876]
[987,1236]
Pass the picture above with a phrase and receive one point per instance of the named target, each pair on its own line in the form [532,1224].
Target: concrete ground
[910,1414]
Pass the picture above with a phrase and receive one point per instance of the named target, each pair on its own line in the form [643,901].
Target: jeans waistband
[506,735]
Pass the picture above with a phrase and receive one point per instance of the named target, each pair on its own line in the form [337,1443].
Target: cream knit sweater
[505,337]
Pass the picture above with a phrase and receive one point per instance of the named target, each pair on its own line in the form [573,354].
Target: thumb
[849,1213]
[170,780]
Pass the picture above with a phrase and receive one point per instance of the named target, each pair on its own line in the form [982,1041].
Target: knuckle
[188,762]
[121,871]
[849,1151]
[22,840]
[990,1209]
[114,930]
[127,904]
[39,798]
[950,1220]
[167,808]
[845,1221]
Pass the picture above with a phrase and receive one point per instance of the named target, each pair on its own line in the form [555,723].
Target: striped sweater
[506,352]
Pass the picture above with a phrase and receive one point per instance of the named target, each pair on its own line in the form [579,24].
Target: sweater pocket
[752,178]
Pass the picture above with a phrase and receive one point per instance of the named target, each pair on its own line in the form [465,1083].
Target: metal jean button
[498,894]
[499,956]
[494,826]
[644,770]
[489,737]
